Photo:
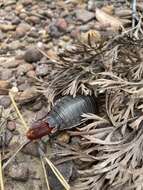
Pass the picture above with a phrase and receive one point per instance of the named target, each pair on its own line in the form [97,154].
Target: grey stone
[42,70]
[84,15]
[32,55]
[5,101]
[6,74]
[22,30]
[91,5]
[5,138]
[19,172]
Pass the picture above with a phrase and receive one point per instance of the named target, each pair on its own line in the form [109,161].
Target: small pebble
[19,172]
[41,113]
[91,5]
[22,15]
[21,79]
[7,27]
[32,20]
[22,30]
[24,68]
[84,15]
[9,62]
[33,34]
[2,35]
[42,70]
[6,74]
[63,137]
[75,141]
[61,24]
[53,31]
[32,55]
[27,2]
[32,149]
[75,32]
[5,138]
[23,86]
[19,7]
[4,87]
[5,101]
[11,125]
[109,9]
[28,95]
[10,2]
[16,21]
[31,74]
[36,106]
[48,13]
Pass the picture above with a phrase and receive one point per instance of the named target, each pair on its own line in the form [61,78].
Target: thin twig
[41,51]
[24,125]
[13,156]
[58,174]
[45,174]
[134,13]
[55,171]
[17,110]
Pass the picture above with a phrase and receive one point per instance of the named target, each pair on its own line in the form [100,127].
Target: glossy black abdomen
[68,110]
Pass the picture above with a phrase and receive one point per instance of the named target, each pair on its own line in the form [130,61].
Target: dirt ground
[33,34]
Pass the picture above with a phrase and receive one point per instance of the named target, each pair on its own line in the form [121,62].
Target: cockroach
[66,113]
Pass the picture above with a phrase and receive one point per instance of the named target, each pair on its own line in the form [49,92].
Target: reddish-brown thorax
[38,130]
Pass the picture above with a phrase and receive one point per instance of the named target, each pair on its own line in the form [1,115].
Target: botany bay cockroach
[67,113]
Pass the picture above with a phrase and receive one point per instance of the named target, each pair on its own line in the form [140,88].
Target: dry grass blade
[54,169]
[1,175]
[24,125]
[17,111]
[57,174]
[45,174]
[46,55]
[13,156]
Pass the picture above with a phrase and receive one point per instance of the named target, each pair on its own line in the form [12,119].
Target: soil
[32,34]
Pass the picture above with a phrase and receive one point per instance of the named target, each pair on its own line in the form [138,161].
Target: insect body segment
[39,130]
[65,114]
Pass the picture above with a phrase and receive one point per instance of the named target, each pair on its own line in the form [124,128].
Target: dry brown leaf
[105,18]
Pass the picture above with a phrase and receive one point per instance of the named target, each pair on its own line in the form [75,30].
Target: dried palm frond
[75,67]
[80,65]
[115,159]
[111,142]
[117,154]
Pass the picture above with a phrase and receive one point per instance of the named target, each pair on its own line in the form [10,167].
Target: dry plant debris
[111,145]
[106,151]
